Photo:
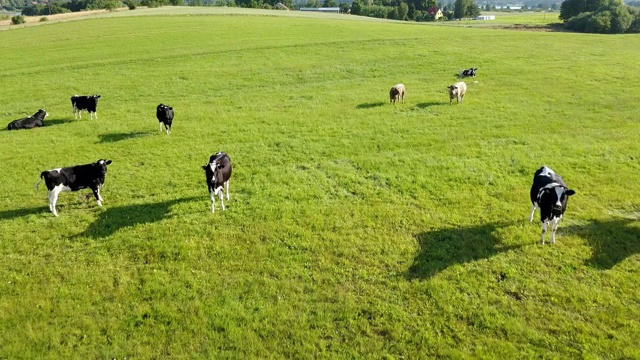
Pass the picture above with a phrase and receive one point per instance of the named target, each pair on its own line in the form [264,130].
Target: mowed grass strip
[355,228]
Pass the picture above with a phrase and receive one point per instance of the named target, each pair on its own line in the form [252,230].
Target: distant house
[486,17]
[322,9]
[437,13]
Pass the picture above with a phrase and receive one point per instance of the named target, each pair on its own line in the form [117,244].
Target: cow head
[555,197]
[96,97]
[453,90]
[41,114]
[101,166]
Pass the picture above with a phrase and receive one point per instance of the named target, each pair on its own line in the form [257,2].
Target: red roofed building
[437,13]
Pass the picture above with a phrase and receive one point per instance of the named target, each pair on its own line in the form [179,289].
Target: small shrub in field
[43,19]
[18,19]
[131,4]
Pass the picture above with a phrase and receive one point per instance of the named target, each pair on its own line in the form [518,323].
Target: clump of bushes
[131,4]
[611,19]
[18,19]
[43,19]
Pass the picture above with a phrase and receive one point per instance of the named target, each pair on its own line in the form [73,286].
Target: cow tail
[41,177]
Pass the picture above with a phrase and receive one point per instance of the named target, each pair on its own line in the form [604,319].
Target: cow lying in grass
[30,122]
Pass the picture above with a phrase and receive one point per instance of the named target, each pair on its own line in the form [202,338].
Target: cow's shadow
[115,218]
[53,122]
[16,213]
[430,104]
[115,137]
[443,248]
[612,241]
[370,105]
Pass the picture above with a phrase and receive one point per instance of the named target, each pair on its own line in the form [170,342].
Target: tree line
[600,16]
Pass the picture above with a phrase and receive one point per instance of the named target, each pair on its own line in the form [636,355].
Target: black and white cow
[89,103]
[549,193]
[468,72]
[74,178]
[218,172]
[30,122]
[164,113]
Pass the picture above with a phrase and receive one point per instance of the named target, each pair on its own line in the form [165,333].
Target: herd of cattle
[548,192]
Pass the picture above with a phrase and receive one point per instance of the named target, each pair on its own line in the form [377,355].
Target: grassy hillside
[356,229]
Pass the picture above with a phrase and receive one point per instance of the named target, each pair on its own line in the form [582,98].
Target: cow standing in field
[396,93]
[30,122]
[218,172]
[73,179]
[88,103]
[457,91]
[164,113]
[549,193]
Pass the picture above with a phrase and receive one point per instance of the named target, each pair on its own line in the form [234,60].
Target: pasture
[355,229]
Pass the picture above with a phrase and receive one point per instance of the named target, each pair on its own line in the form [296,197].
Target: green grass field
[355,229]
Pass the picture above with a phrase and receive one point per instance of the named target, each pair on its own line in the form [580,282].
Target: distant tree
[430,4]
[403,11]
[330,3]
[356,7]
[412,10]
[487,7]
[344,8]
[634,3]
[465,9]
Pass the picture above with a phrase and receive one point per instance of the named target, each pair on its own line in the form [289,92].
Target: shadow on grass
[371,105]
[429,104]
[115,137]
[116,218]
[12,214]
[57,122]
[441,249]
[612,241]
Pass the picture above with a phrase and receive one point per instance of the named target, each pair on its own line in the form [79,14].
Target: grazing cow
[30,122]
[218,172]
[549,193]
[471,72]
[89,103]
[73,179]
[164,113]
[457,91]
[396,93]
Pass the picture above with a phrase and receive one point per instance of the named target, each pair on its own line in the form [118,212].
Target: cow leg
[51,203]
[226,185]
[544,230]
[160,126]
[213,200]
[96,114]
[554,226]
[168,129]
[220,195]
[96,194]
[533,209]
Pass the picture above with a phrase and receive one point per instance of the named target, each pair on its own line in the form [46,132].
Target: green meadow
[355,228]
